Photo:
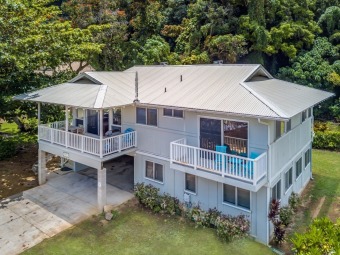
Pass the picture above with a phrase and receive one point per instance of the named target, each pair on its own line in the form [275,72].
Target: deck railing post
[223,164]
[52,135]
[195,158]
[120,143]
[82,143]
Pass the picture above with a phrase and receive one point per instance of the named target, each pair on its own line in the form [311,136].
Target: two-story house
[225,136]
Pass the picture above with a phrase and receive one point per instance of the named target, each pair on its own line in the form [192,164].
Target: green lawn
[326,173]
[135,231]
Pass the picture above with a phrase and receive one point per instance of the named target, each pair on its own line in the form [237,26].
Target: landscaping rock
[108,216]
[35,168]
[109,208]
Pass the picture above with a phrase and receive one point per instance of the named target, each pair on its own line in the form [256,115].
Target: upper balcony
[74,138]
[244,172]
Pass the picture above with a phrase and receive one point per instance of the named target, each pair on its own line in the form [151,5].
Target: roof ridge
[100,96]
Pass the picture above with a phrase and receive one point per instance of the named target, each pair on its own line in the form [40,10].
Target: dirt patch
[16,173]
[317,209]
[334,210]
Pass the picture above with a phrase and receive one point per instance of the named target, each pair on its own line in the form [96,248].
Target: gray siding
[156,140]
[209,194]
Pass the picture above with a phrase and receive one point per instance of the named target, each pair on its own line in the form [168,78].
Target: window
[309,112]
[276,191]
[173,113]
[190,182]
[289,125]
[288,178]
[154,171]
[307,157]
[279,129]
[146,116]
[80,113]
[235,137]
[236,196]
[298,168]
[304,115]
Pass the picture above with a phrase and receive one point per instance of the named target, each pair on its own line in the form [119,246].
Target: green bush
[8,147]
[294,201]
[328,140]
[148,196]
[229,228]
[322,237]
[286,214]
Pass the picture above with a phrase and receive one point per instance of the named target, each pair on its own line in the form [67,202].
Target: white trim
[152,155]
[153,180]
[237,207]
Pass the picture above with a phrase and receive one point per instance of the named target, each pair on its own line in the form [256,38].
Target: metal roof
[203,87]
[235,89]
[114,92]
[285,98]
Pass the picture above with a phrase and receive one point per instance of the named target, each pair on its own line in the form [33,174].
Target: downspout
[268,176]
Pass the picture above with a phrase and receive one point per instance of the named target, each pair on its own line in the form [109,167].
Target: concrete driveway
[46,210]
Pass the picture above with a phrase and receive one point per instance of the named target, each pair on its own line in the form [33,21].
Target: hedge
[328,140]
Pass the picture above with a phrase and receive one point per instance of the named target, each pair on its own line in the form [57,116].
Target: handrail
[246,169]
[87,144]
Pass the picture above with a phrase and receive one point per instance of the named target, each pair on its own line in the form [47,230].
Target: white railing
[85,143]
[238,145]
[246,169]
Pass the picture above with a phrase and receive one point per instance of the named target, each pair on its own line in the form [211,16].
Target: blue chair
[249,167]
[218,159]
[127,139]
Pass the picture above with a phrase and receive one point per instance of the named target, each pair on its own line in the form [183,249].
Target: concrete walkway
[46,210]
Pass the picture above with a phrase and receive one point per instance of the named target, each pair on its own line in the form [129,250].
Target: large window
[146,116]
[173,113]
[236,196]
[298,168]
[288,179]
[307,157]
[190,182]
[276,191]
[154,171]
[236,136]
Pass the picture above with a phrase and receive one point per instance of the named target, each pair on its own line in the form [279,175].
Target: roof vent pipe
[136,88]
[181,78]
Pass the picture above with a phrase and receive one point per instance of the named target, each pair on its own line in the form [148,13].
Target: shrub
[322,237]
[170,205]
[294,201]
[328,140]
[286,214]
[200,217]
[148,196]
[8,147]
[274,217]
[213,214]
[229,228]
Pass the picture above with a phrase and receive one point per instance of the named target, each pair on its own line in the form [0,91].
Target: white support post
[223,164]
[101,194]
[41,167]
[85,120]
[74,116]
[39,112]
[101,132]
[195,158]
[110,118]
[66,126]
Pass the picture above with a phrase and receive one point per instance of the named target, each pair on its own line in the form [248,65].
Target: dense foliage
[327,136]
[322,237]
[228,228]
[297,40]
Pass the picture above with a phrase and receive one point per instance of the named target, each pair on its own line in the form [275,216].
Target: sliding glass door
[210,133]
[235,135]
